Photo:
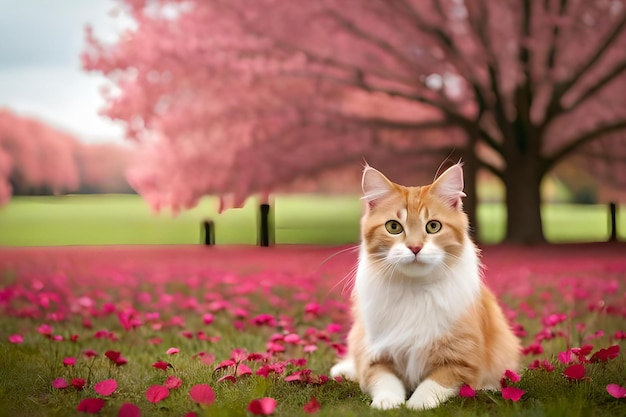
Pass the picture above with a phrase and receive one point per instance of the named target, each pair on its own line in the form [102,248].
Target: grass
[81,291]
[330,220]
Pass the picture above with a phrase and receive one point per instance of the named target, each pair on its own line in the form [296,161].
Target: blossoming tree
[241,96]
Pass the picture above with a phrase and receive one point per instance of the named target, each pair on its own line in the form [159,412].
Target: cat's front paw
[387,401]
[429,394]
[345,368]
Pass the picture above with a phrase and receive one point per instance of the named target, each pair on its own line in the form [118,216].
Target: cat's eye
[393,227]
[433,226]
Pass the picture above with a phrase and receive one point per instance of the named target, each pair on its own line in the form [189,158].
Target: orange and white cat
[424,323]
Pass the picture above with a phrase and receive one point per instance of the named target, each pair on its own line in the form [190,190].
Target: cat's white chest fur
[404,315]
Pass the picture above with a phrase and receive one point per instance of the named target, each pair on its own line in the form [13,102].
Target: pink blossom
[605,355]
[172,351]
[512,393]
[60,383]
[106,387]
[312,406]
[129,410]
[262,406]
[467,391]
[69,361]
[162,365]
[616,390]
[202,394]
[172,382]
[91,405]
[157,393]
[16,338]
[78,383]
[512,375]
[575,372]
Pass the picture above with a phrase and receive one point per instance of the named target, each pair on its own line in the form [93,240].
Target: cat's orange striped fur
[424,322]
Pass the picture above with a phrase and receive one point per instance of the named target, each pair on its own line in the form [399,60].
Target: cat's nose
[415,249]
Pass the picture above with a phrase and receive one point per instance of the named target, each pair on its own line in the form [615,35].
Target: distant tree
[241,96]
[38,159]
[102,168]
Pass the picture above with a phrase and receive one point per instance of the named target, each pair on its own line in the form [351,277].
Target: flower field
[240,331]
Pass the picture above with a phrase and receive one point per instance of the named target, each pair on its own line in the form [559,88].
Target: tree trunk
[522,179]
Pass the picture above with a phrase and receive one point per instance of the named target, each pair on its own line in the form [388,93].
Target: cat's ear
[375,186]
[449,186]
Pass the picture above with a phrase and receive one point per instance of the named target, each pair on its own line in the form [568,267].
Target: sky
[40,71]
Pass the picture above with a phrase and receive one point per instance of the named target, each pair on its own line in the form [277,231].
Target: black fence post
[613,222]
[208,227]
[266,226]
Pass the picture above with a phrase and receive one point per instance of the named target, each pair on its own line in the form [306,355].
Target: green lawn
[127,219]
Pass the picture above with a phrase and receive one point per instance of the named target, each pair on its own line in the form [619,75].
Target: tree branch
[555,35]
[491,168]
[603,81]
[555,106]
[381,44]
[583,139]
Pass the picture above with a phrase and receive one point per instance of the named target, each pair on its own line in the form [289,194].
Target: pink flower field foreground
[240,331]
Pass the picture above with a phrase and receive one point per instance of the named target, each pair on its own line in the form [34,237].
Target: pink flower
[605,355]
[207,318]
[565,357]
[60,383]
[512,393]
[202,394]
[173,382]
[262,406]
[292,338]
[543,364]
[312,406]
[157,393]
[91,405]
[45,330]
[616,391]
[512,375]
[575,372]
[70,361]
[16,339]
[106,387]
[129,410]
[162,365]
[78,383]
[172,351]
[467,392]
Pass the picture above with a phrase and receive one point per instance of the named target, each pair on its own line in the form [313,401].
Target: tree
[240,96]
[38,159]
[34,157]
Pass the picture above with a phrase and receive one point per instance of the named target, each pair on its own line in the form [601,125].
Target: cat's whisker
[348,249]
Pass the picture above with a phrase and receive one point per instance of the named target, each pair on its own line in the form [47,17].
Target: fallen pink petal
[91,405]
[202,394]
[106,387]
[467,392]
[262,406]
[512,393]
[173,382]
[616,390]
[575,372]
[311,407]
[157,393]
[129,410]
[60,383]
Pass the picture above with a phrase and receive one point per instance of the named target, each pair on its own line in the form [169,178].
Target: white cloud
[40,74]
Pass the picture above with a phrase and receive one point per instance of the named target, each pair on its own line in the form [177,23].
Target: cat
[424,322]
